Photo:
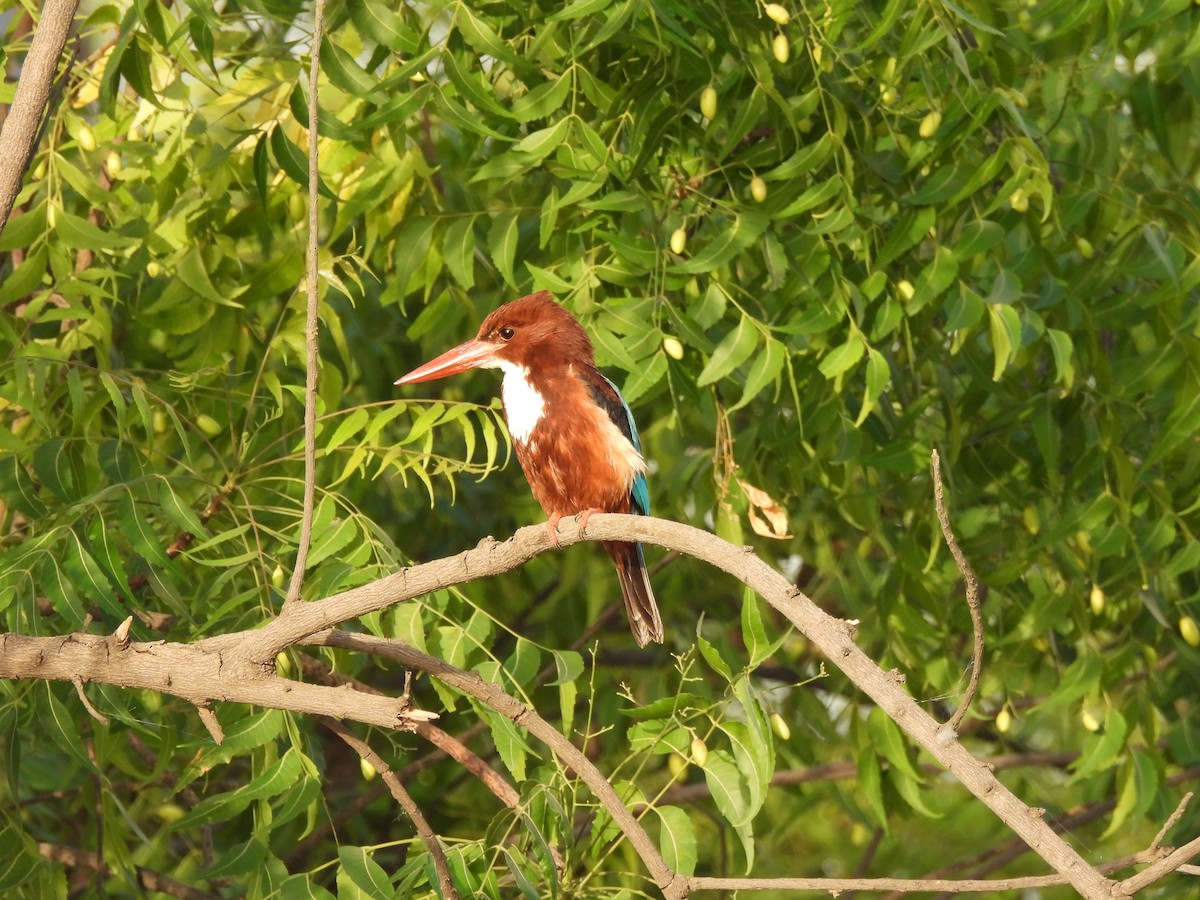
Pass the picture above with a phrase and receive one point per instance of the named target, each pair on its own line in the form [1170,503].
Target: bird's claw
[552,529]
[584,515]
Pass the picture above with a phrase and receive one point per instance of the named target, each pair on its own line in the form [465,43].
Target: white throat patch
[523,405]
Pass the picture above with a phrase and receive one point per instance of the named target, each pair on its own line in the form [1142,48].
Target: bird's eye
[507,333]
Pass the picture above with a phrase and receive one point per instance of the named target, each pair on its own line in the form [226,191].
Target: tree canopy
[812,243]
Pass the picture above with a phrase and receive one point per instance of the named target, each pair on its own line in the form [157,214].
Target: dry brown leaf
[776,524]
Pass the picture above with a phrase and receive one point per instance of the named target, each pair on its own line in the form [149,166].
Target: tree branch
[939,502]
[401,796]
[239,667]
[311,325]
[18,136]
[191,673]
[492,695]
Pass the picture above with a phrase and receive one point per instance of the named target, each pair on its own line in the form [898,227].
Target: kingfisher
[572,430]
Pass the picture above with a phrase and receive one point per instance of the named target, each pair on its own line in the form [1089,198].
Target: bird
[573,432]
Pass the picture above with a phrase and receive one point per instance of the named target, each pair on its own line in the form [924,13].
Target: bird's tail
[644,620]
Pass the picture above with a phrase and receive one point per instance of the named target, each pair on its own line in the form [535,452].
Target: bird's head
[533,333]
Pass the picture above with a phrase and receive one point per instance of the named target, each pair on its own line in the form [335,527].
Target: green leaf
[202,39]
[1101,751]
[542,99]
[471,85]
[912,228]
[935,278]
[963,310]
[728,786]
[294,161]
[712,656]
[879,373]
[1079,678]
[977,237]
[677,839]
[80,234]
[579,8]
[1006,336]
[763,371]
[240,859]
[376,21]
[412,245]
[804,161]
[301,887]
[26,279]
[735,348]
[1061,347]
[459,251]
[889,741]
[135,68]
[1138,784]
[727,243]
[870,783]
[352,424]
[179,512]
[844,356]
[345,72]
[357,868]
[274,780]
[480,35]
[502,244]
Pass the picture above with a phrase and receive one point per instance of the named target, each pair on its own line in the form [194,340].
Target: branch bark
[240,664]
[312,322]
[401,795]
[18,135]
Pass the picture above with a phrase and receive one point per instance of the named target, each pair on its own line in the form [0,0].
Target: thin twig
[87,704]
[18,136]
[211,723]
[401,795]
[1171,820]
[972,584]
[443,740]
[311,322]
[1162,868]
[470,684]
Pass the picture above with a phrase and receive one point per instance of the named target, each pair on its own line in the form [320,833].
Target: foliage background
[979,234]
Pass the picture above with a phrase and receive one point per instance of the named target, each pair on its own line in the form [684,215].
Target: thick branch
[187,671]
[833,637]
[20,130]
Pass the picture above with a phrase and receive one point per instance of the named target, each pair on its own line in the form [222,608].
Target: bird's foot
[584,515]
[552,528]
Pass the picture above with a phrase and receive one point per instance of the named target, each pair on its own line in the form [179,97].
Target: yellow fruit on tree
[781,48]
[777,14]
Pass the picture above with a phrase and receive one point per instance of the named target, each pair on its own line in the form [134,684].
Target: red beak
[468,355]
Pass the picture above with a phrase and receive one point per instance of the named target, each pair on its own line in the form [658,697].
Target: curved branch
[972,583]
[401,795]
[470,684]
[248,656]
[19,134]
[191,673]
[834,638]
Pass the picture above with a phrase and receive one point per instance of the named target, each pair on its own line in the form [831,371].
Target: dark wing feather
[609,399]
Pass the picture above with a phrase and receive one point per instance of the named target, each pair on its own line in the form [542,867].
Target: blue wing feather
[618,410]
